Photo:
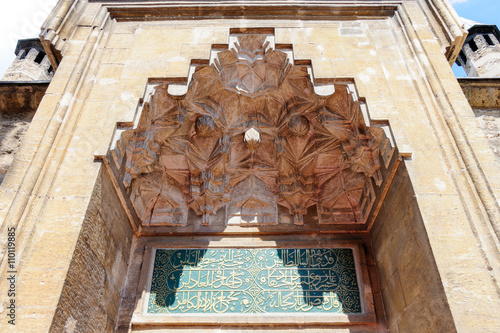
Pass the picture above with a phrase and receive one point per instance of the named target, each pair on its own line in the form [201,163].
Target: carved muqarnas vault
[251,141]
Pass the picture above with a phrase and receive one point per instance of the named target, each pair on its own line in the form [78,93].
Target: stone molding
[62,22]
[195,10]
[472,184]
[451,26]
[25,194]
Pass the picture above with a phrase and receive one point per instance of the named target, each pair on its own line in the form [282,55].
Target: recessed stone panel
[250,281]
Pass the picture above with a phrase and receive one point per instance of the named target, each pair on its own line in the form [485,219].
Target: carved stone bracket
[251,137]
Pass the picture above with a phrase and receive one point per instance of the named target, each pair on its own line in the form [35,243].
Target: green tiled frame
[257,280]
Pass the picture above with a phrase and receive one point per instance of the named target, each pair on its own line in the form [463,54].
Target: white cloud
[18,20]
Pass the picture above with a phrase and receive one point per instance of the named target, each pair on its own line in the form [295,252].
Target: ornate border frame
[142,319]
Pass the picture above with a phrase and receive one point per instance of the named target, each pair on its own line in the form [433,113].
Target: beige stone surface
[435,241]
[12,130]
[409,277]
[98,269]
[483,95]
[18,102]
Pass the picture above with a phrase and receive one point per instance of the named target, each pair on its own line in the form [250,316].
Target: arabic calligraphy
[254,281]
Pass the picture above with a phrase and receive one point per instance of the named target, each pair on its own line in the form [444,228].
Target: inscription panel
[187,281]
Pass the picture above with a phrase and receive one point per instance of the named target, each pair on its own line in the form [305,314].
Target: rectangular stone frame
[142,319]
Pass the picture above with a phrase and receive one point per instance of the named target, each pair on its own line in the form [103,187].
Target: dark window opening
[488,40]
[24,53]
[51,70]
[463,58]
[472,45]
[40,57]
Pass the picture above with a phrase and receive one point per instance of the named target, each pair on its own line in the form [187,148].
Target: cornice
[196,10]
[64,18]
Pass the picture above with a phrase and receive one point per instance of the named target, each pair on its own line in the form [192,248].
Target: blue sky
[20,19]
[23,18]
[482,11]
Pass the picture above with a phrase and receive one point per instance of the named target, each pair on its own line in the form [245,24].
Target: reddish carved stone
[249,135]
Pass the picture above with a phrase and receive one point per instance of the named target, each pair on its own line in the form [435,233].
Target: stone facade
[480,57]
[21,90]
[426,251]
[483,95]
[18,103]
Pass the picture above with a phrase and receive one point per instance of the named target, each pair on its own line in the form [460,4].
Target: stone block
[125,27]
[393,298]
[404,248]
[178,68]
[325,36]
[89,13]
[300,37]
[93,113]
[121,41]
[145,68]
[39,284]
[428,314]
[195,51]
[382,38]
[117,56]
[103,92]
[110,301]
[73,48]
[44,257]
[335,52]
[176,36]
[418,275]
[34,319]
[16,169]
[47,106]
[66,185]
[323,68]
[61,77]
[109,74]
[282,35]
[81,34]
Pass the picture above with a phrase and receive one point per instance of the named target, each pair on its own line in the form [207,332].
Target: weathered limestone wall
[398,64]
[412,290]
[483,95]
[92,289]
[489,122]
[13,126]
[18,102]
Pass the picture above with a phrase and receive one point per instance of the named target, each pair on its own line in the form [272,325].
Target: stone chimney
[31,63]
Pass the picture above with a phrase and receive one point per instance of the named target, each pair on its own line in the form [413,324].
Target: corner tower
[480,55]
[31,63]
